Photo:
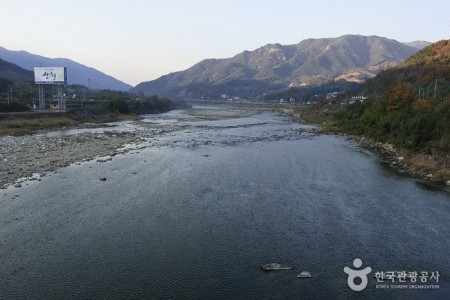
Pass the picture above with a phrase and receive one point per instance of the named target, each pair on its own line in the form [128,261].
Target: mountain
[409,108]
[427,71]
[76,72]
[14,72]
[276,67]
[434,55]
[418,44]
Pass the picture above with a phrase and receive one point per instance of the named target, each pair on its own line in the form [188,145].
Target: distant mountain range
[76,72]
[14,72]
[418,44]
[276,67]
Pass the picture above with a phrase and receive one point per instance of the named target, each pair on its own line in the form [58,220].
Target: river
[197,209]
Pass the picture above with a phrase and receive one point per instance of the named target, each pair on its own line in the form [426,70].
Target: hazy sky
[140,40]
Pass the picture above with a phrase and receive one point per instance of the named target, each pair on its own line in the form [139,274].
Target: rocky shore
[31,156]
[404,164]
[433,168]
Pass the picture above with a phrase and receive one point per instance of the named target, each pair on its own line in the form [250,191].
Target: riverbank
[215,186]
[16,124]
[29,157]
[28,122]
[435,167]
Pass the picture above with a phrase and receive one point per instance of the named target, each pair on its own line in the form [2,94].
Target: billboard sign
[50,75]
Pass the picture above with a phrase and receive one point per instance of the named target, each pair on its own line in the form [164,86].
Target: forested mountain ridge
[275,67]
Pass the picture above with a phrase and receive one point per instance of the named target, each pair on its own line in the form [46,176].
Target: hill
[411,110]
[276,67]
[14,73]
[437,54]
[76,72]
[428,71]
[408,108]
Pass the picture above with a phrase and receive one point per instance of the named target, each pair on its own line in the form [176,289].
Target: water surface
[210,199]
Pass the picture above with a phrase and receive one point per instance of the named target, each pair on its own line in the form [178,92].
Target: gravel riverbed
[31,156]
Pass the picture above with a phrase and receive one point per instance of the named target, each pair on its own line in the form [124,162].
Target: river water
[213,194]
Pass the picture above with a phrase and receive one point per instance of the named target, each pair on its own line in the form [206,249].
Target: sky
[141,40]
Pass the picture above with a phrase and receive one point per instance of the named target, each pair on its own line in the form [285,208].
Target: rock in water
[304,274]
[275,267]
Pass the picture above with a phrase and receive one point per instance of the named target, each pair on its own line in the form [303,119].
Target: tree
[400,95]
[118,106]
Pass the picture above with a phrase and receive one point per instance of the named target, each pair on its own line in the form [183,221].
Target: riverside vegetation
[116,109]
[408,114]
[415,132]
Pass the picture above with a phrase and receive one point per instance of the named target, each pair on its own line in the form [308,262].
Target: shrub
[117,105]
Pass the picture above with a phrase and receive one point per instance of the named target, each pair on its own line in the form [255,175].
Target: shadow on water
[433,186]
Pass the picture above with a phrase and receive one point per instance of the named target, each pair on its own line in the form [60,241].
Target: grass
[25,123]
[442,175]
[422,162]
[19,123]
[28,123]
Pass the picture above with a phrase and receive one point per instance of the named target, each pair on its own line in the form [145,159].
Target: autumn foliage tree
[400,96]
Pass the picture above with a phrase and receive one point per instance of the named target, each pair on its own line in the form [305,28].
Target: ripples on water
[196,213]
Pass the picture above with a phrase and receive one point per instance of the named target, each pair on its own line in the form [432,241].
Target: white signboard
[50,75]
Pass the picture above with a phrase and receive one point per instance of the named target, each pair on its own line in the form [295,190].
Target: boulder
[304,274]
[275,267]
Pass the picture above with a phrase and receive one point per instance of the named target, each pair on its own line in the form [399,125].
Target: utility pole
[84,97]
[435,87]
[89,85]
[9,95]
